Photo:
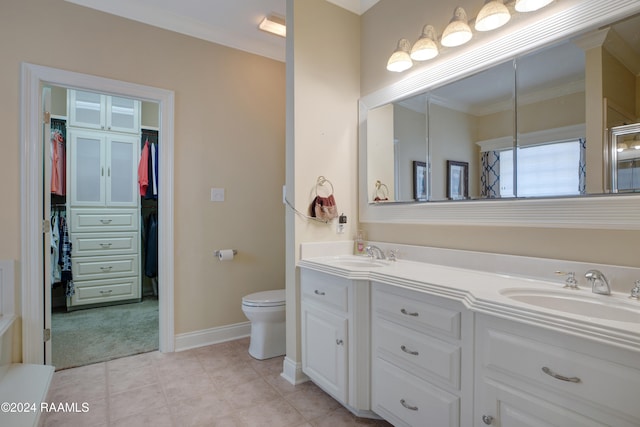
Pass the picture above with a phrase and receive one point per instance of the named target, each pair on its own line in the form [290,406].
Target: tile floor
[217,385]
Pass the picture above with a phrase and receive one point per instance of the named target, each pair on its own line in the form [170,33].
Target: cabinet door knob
[105,221]
[108,268]
[560,377]
[408,313]
[487,419]
[106,292]
[317,292]
[339,342]
[406,405]
[105,245]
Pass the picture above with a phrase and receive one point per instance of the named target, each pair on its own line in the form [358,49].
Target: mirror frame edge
[595,212]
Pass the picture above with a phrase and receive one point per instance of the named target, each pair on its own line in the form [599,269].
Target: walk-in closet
[104,235]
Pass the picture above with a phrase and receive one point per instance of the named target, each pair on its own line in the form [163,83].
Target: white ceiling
[232,23]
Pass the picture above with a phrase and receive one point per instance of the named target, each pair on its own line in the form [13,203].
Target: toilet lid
[265,299]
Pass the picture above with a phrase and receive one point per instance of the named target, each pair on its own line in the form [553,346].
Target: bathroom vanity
[455,346]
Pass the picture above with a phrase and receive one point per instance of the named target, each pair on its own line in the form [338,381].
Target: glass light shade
[531,5]
[400,59]
[494,14]
[425,48]
[457,32]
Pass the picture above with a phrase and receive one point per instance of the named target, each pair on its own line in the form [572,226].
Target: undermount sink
[358,262]
[587,304]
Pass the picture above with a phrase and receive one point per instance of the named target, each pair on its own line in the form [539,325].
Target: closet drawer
[100,291]
[88,244]
[105,267]
[409,308]
[405,400]
[101,220]
[324,289]
[427,357]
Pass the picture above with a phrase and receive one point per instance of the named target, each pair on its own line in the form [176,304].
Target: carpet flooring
[99,334]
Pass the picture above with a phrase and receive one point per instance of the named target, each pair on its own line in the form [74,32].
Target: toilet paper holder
[217,253]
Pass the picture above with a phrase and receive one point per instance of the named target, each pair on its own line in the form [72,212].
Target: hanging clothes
[151,246]
[65,257]
[143,169]
[58,159]
[154,170]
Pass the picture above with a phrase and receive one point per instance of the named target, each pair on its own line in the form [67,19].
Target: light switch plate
[217,194]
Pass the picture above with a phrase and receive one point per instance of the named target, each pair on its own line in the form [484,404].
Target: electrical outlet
[217,194]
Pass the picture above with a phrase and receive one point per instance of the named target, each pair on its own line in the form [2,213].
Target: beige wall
[323,72]
[382,26]
[229,132]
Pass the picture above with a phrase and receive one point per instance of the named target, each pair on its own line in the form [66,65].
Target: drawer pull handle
[406,350]
[106,292]
[317,292]
[106,221]
[105,245]
[339,342]
[560,377]
[108,268]
[487,419]
[408,313]
[406,405]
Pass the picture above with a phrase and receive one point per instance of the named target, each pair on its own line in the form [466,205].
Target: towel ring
[321,182]
[382,192]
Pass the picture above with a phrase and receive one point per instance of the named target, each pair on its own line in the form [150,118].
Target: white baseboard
[204,337]
[292,372]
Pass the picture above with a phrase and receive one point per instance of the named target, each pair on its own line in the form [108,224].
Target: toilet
[266,311]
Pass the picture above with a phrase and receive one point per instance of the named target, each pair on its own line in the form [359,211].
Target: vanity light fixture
[274,24]
[457,32]
[622,146]
[494,14]
[425,48]
[400,59]
[531,5]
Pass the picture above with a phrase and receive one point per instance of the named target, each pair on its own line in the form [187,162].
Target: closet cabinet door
[86,109]
[86,168]
[122,170]
[122,114]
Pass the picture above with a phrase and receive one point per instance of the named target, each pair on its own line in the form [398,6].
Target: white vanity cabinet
[422,348]
[335,337]
[527,376]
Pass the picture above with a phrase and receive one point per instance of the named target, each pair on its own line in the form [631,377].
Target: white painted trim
[33,77]
[7,289]
[569,18]
[210,336]
[292,372]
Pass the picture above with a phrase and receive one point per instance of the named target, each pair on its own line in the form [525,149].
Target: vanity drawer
[100,291]
[410,308]
[87,244]
[329,291]
[405,400]
[422,355]
[104,267]
[575,367]
[101,220]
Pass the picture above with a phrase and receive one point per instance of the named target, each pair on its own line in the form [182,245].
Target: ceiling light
[274,24]
[531,5]
[425,48]
[457,32]
[400,59]
[494,14]
[622,146]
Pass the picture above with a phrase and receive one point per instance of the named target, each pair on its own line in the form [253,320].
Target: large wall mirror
[520,125]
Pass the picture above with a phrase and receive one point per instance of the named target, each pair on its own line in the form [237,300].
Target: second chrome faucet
[598,281]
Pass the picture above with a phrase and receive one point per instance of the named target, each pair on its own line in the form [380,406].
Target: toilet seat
[273,298]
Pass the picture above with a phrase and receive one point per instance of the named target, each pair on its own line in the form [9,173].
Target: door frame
[33,78]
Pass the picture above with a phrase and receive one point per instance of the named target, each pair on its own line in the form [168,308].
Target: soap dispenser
[359,244]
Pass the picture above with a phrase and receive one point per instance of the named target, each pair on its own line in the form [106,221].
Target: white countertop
[480,292]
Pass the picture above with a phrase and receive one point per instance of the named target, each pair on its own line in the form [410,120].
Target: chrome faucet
[599,283]
[635,291]
[374,252]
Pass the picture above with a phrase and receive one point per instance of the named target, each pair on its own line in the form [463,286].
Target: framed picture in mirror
[419,181]
[457,180]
